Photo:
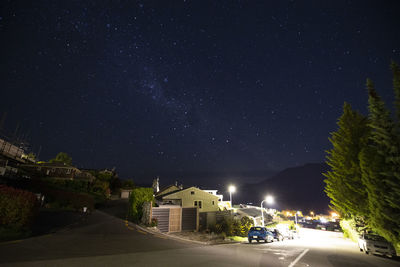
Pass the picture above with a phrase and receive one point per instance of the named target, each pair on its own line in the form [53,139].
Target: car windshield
[374,238]
[255,228]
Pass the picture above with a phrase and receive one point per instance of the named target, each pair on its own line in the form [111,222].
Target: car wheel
[366,251]
[258,241]
[250,241]
[361,249]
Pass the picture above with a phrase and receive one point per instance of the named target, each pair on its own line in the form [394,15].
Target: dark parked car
[260,233]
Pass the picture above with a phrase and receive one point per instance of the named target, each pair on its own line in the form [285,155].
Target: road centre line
[299,257]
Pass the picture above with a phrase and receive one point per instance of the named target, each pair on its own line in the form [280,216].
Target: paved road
[104,240]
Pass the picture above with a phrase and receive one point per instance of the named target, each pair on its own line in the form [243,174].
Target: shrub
[138,197]
[66,199]
[17,207]
[349,229]
[154,222]
[233,227]
[245,224]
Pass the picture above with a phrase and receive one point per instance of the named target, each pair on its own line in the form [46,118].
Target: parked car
[278,236]
[375,244]
[287,234]
[294,234]
[260,233]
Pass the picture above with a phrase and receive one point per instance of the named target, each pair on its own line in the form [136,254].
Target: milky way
[208,86]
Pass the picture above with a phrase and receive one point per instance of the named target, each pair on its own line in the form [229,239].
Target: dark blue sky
[220,86]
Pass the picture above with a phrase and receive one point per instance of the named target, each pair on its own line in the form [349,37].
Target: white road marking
[299,257]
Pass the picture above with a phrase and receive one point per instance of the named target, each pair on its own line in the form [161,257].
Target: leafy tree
[380,164]
[115,184]
[343,182]
[62,157]
[128,184]
[137,198]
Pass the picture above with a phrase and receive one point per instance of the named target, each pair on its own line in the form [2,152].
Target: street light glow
[269,199]
[232,189]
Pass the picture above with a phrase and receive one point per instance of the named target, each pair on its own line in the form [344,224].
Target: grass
[9,233]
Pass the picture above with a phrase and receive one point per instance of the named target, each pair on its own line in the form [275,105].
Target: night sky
[152,87]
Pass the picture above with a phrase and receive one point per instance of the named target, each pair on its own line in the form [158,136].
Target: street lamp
[269,200]
[295,216]
[231,189]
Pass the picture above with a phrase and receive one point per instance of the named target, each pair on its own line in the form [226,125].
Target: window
[192,192]
[198,203]
[213,203]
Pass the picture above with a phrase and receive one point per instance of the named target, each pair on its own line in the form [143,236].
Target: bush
[349,229]
[66,199]
[70,185]
[245,224]
[154,222]
[138,197]
[17,207]
[233,227]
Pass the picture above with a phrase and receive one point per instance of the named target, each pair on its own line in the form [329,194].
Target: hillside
[300,188]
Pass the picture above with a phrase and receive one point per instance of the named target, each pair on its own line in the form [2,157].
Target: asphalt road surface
[104,240]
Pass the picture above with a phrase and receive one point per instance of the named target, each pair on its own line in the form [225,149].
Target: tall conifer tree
[344,184]
[380,164]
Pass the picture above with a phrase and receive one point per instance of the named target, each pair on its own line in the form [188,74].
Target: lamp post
[269,200]
[231,189]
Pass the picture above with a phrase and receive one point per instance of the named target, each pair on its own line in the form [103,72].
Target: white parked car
[375,244]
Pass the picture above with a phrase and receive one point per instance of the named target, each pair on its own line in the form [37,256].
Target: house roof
[186,189]
[161,192]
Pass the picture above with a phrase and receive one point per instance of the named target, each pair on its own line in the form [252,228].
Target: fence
[175,219]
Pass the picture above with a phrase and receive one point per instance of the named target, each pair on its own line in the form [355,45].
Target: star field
[190,86]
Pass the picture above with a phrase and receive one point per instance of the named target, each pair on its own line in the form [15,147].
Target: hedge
[18,207]
[138,197]
[67,199]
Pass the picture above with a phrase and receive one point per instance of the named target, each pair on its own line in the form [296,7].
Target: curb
[167,235]
[159,234]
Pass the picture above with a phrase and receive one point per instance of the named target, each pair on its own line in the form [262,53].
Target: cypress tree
[343,182]
[379,163]
[396,88]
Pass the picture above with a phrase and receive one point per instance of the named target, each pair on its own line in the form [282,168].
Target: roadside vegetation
[22,200]
[364,181]
[18,209]
[137,198]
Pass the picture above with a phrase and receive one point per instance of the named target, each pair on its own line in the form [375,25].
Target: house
[253,213]
[166,190]
[126,193]
[214,192]
[191,197]
[58,171]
